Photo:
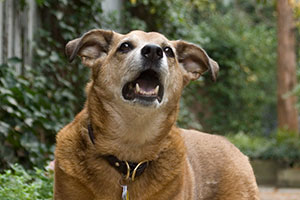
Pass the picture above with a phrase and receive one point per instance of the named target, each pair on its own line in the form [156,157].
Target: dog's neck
[132,133]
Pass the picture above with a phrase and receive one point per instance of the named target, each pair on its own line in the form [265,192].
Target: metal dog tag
[125,195]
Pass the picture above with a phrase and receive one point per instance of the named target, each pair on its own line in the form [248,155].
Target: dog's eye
[125,47]
[169,52]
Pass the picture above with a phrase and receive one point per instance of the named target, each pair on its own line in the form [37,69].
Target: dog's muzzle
[147,87]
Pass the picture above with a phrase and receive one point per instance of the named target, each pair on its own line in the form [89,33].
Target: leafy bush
[31,113]
[244,96]
[282,146]
[252,146]
[175,19]
[18,184]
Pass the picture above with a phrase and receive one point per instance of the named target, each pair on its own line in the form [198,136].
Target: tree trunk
[286,67]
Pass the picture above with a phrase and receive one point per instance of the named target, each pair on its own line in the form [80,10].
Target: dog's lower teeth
[145,93]
[140,91]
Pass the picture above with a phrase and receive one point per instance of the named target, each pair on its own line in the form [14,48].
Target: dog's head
[140,69]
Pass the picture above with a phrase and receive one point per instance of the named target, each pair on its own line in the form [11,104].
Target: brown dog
[124,144]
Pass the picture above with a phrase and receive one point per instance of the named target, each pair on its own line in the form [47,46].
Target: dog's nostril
[152,52]
[159,52]
[146,50]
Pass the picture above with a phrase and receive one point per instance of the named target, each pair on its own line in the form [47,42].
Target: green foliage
[18,184]
[245,90]
[64,21]
[252,146]
[170,18]
[282,146]
[31,113]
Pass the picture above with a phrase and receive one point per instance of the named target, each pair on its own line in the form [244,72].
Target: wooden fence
[17,31]
[18,25]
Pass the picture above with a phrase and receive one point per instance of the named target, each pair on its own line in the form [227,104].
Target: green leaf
[59,15]
[41,53]
[5,91]
[14,60]
[29,121]
[54,57]
[12,101]
[4,128]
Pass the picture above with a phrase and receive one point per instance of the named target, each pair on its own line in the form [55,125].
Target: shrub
[18,184]
[281,146]
[244,96]
[31,113]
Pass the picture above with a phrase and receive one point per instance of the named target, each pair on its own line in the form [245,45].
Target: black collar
[128,169]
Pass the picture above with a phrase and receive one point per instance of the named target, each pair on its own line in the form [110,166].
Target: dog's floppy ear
[194,60]
[91,46]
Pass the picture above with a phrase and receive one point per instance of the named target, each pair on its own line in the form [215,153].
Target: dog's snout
[152,52]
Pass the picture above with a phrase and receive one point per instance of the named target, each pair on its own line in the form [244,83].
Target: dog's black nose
[152,52]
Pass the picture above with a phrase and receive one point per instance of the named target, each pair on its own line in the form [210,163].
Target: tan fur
[184,164]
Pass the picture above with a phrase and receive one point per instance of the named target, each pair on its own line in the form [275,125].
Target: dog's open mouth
[145,87]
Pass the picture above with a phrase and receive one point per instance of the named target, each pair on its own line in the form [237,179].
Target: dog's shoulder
[208,143]
[217,162]
[204,146]
[70,143]
[70,132]
[214,152]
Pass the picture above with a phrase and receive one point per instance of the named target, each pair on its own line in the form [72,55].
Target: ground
[272,193]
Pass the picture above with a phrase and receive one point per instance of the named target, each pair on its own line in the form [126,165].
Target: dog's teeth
[156,90]
[137,88]
[140,91]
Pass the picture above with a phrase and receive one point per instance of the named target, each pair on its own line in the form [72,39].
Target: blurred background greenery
[239,35]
